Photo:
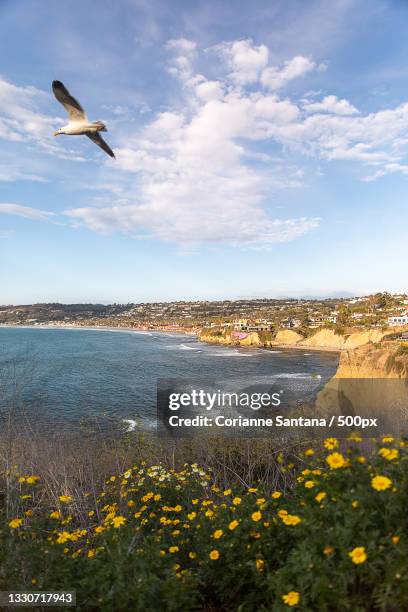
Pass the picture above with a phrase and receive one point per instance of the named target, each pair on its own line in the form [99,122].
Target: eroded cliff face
[322,339]
[371,382]
[385,360]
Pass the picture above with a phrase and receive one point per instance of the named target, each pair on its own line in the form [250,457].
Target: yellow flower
[386,439]
[358,555]
[192,555]
[395,539]
[173,549]
[355,437]
[328,550]
[361,459]
[91,553]
[381,483]
[118,521]
[236,501]
[65,499]
[291,519]
[354,504]
[99,529]
[309,452]
[309,484]
[389,453]
[214,555]
[191,516]
[336,460]
[320,496]
[14,523]
[131,503]
[256,516]
[331,443]
[227,492]
[29,512]
[276,495]
[55,514]
[32,479]
[233,525]
[209,513]
[218,534]
[252,490]
[260,563]
[291,599]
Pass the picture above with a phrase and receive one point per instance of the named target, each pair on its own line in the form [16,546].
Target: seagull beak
[56,133]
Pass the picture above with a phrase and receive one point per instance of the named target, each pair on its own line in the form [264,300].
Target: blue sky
[261,149]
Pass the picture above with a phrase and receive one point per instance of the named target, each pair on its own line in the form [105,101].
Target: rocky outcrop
[388,360]
[287,337]
[324,339]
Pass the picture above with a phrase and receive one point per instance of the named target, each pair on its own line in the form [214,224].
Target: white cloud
[275,78]
[331,104]
[25,211]
[245,60]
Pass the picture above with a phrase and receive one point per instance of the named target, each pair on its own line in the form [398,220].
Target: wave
[298,375]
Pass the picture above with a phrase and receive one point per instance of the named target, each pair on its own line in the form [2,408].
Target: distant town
[373,311]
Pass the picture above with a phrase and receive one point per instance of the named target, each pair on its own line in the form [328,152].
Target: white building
[401,319]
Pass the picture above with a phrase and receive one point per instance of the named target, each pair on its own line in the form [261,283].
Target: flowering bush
[157,538]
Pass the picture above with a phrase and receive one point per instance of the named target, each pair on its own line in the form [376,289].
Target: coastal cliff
[388,360]
[324,339]
[371,382]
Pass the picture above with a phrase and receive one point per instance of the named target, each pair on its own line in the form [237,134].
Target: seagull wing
[72,106]
[97,139]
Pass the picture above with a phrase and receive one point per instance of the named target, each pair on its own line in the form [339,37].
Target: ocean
[70,377]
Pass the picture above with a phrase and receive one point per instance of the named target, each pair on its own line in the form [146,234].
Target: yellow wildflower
[381,483]
[55,515]
[276,495]
[260,563]
[32,479]
[328,550]
[331,443]
[65,499]
[236,501]
[389,453]
[173,549]
[336,460]
[358,555]
[227,492]
[309,452]
[256,516]
[291,519]
[15,523]
[192,555]
[395,539]
[309,484]
[218,534]
[233,525]
[118,521]
[320,496]
[214,555]
[91,553]
[291,599]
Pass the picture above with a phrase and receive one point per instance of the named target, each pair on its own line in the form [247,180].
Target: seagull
[78,121]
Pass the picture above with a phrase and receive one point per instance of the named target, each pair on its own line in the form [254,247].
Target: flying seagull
[78,121]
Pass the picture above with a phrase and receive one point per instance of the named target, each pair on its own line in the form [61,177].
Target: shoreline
[306,349]
[101,328]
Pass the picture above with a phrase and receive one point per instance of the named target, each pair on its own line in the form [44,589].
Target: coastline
[102,328]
